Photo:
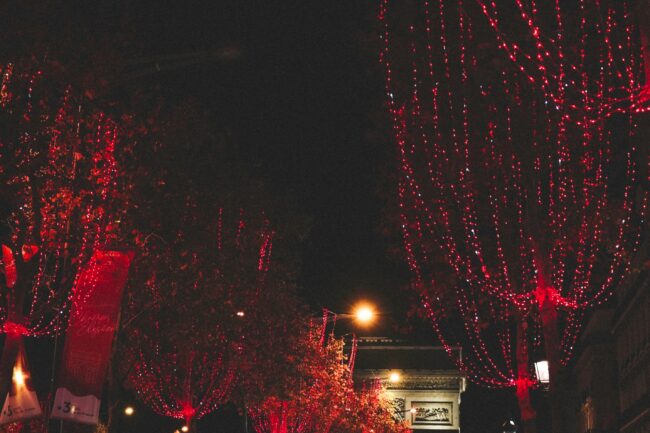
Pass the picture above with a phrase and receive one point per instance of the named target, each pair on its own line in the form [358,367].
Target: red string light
[517,162]
[544,60]
[319,397]
[186,367]
[59,167]
[182,385]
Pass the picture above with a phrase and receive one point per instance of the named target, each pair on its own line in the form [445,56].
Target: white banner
[21,406]
[21,402]
[70,407]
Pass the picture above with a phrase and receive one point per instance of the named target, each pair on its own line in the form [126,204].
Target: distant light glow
[364,314]
[395,377]
[18,376]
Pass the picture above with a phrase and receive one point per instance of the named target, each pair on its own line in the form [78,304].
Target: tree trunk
[548,313]
[524,382]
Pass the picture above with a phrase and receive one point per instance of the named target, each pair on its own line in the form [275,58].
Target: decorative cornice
[421,380]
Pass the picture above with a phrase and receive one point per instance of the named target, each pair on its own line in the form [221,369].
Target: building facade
[423,382]
[631,330]
[596,377]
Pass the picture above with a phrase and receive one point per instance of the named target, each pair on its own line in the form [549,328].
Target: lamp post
[363,313]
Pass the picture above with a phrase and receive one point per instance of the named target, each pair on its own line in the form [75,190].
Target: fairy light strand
[506,173]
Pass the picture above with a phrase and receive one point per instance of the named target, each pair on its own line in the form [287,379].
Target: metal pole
[48,410]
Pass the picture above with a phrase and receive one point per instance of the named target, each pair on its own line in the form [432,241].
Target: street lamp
[542,373]
[18,376]
[364,314]
[128,411]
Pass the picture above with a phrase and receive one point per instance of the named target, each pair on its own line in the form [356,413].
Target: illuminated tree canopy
[61,197]
[519,187]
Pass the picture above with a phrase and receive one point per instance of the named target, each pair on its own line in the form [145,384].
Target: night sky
[305,97]
[303,93]
[298,86]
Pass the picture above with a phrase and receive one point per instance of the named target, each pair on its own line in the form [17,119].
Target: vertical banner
[21,402]
[96,303]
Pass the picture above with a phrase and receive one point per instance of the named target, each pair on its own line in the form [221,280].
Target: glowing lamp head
[128,411]
[240,314]
[19,376]
[542,372]
[395,377]
[364,314]
[185,429]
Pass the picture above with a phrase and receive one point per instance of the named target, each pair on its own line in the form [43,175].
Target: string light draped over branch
[59,199]
[602,73]
[370,409]
[187,330]
[316,399]
[182,385]
[518,173]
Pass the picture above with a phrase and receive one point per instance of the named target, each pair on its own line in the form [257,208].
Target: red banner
[96,303]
